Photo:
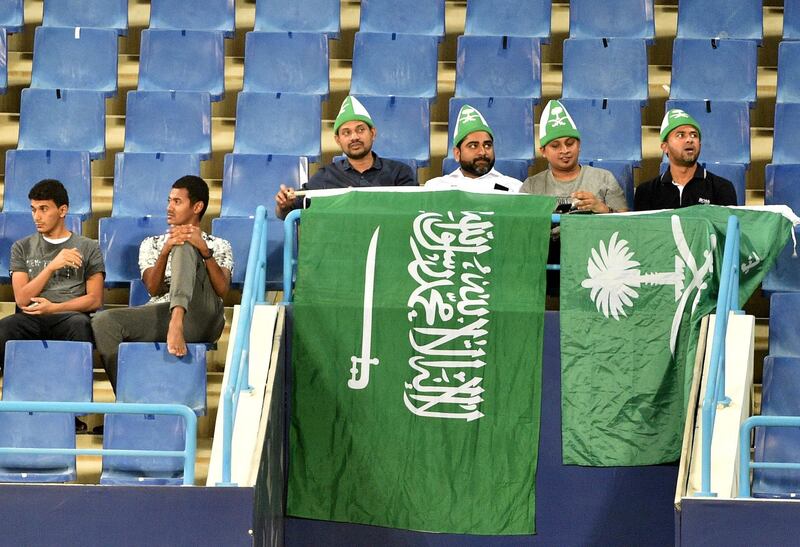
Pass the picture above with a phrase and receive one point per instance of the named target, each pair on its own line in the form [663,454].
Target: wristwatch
[209,255]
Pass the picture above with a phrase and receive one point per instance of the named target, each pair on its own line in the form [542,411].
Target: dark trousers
[71,325]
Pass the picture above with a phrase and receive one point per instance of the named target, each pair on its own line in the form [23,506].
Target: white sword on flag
[361,364]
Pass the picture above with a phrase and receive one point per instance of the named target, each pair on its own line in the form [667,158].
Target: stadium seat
[612,19]
[732,19]
[623,172]
[405,16]
[52,119]
[529,18]
[75,58]
[24,168]
[111,14]
[725,129]
[3,61]
[252,179]
[785,275]
[14,226]
[782,185]
[217,15]
[320,16]
[517,169]
[784,332]
[791,19]
[734,172]
[401,65]
[403,125]
[12,15]
[293,128]
[168,121]
[599,119]
[272,61]
[498,66]
[182,60]
[605,68]
[786,134]
[142,181]
[788,90]
[38,370]
[239,230]
[119,239]
[700,66]
[511,120]
[138,295]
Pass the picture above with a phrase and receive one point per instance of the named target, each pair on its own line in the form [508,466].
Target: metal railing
[744,448]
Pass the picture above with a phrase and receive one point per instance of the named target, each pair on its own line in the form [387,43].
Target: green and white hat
[676,118]
[469,120]
[351,111]
[556,123]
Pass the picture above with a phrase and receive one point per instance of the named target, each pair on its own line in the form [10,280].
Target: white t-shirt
[492,180]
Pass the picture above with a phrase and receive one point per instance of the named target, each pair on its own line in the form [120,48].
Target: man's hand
[187,233]
[40,306]
[587,201]
[67,258]
[284,201]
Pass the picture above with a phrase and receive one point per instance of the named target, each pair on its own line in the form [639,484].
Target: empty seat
[605,68]
[791,19]
[788,90]
[217,15]
[12,15]
[239,231]
[288,62]
[300,15]
[142,181]
[168,121]
[785,274]
[52,119]
[403,125]
[517,169]
[24,168]
[278,123]
[511,120]
[38,370]
[721,70]
[623,172]
[734,19]
[403,65]
[14,226]
[498,66]
[782,185]
[252,179]
[786,134]
[734,172]
[725,129]
[784,331]
[612,19]
[509,18]
[119,239]
[610,129]
[111,14]
[406,16]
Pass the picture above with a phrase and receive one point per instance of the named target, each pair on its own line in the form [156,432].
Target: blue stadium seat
[252,179]
[498,66]
[52,119]
[598,119]
[239,230]
[785,275]
[3,61]
[403,125]
[119,239]
[183,60]
[14,226]
[734,172]
[168,121]
[784,332]
[112,14]
[623,172]
[509,18]
[217,15]
[517,169]
[725,128]
[70,58]
[788,72]
[12,17]
[605,68]
[791,19]
[782,185]
[39,370]
[300,16]
[24,168]
[293,128]
[138,295]
[405,16]
[612,19]
[288,62]
[786,134]
[734,19]
[142,181]
[699,67]
[402,65]
[511,120]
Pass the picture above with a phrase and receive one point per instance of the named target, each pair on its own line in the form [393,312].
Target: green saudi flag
[416,356]
[633,292]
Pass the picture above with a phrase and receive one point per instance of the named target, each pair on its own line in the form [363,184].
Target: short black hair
[197,189]
[50,189]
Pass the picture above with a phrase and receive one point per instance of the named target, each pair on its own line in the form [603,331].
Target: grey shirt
[32,254]
[599,182]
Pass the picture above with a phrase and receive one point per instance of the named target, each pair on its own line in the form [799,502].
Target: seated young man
[187,273]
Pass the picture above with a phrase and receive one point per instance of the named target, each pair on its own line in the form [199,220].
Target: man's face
[180,209]
[475,154]
[355,139]
[682,145]
[46,215]
[562,154]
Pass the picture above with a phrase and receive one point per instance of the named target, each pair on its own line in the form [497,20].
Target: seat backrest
[142,181]
[784,331]
[734,172]
[14,226]
[138,294]
[69,119]
[517,169]
[735,19]
[286,62]
[300,15]
[612,19]
[218,15]
[788,90]
[47,370]
[598,119]
[509,18]
[786,133]
[251,179]
[120,238]
[605,68]
[24,168]
[12,15]
[785,274]
[511,120]
[623,172]
[781,185]
[239,230]
[403,127]
[498,66]
[401,65]
[143,432]
[791,19]
[726,128]
[3,61]
[111,14]
[406,16]
[183,60]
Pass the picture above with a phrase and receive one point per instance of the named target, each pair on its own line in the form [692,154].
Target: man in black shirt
[685,183]
[354,133]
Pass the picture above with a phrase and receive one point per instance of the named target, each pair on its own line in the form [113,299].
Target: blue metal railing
[744,448]
[190,445]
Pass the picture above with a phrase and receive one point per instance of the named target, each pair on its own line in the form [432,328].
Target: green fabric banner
[417,360]
[633,292]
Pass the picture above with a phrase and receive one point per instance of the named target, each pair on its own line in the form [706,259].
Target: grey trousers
[190,288]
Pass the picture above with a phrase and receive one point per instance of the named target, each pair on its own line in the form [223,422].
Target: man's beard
[473,168]
[360,155]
